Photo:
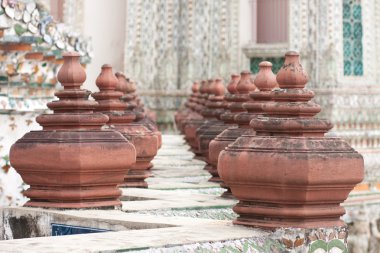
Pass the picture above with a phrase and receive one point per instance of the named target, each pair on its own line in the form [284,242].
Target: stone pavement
[180,212]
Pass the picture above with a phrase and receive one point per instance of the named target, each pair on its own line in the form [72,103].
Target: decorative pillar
[61,163]
[289,174]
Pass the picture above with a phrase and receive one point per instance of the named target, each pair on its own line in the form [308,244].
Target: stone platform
[180,212]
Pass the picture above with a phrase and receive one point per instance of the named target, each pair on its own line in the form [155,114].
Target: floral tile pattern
[352,38]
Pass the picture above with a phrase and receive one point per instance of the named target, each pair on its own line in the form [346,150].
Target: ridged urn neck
[191,103]
[73,110]
[130,98]
[215,104]
[265,81]
[291,111]
[236,101]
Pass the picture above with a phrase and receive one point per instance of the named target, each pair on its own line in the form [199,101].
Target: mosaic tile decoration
[352,38]
[276,61]
[62,229]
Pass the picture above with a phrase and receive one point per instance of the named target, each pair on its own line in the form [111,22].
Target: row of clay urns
[124,119]
[196,119]
[243,94]
[226,117]
[188,110]
[206,108]
[286,173]
[73,162]
[143,116]
[227,112]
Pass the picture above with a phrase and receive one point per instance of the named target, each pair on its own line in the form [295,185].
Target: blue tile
[62,229]
[352,38]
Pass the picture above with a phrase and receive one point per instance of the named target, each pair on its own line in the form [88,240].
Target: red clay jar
[289,174]
[191,126]
[188,108]
[239,89]
[72,163]
[209,116]
[210,129]
[130,97]
[122,120]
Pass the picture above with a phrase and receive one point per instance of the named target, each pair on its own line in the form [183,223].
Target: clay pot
[229,135]
[130,97]
[244,87]
[122,120]
[72,163]
[212,108]
[289,174]
[185,112]
[191,125]
[210,129]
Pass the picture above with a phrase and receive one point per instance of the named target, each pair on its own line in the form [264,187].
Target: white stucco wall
[105,24]
[245,30]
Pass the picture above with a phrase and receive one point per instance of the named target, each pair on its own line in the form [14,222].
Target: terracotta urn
[265,81]
[289,174]
[244,87]
[209,113]
[239,88]
[192,105]
[72,162]
[210,129]
[122,119]
[128,88]
[187,110]
[191,125]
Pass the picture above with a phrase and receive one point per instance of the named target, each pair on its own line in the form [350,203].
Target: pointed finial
[106,79]
[231,87]
[71,75]
[292,74]
[195,87]
[218,87]
[265,80]
[245,85]
[203,87]
[209,85]
[122,83]
[131,86]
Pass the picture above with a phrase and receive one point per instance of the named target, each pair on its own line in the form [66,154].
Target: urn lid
[73,110]
[109,99]
[122,83]
[231,87]
[265,81]
[245,84]
[291,111]
[195,87]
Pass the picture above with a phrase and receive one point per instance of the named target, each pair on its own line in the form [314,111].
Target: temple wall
[107,33]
